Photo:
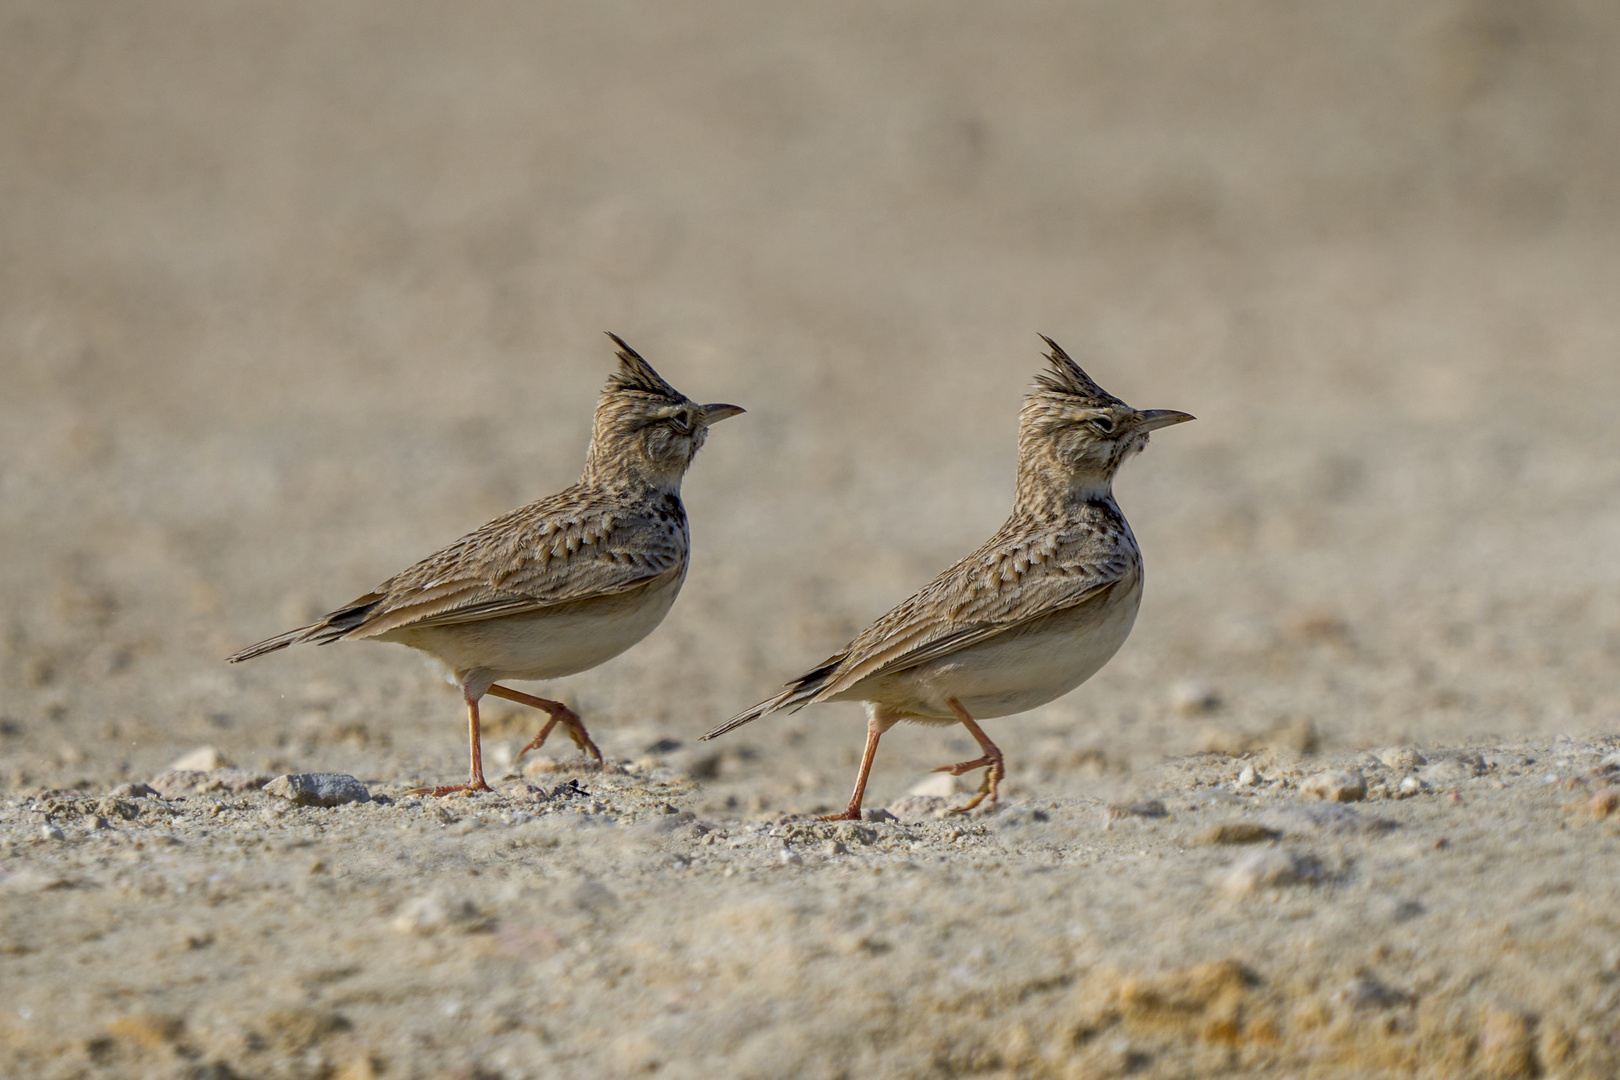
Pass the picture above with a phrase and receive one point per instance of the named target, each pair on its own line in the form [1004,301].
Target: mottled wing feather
[572,546]
[978,599]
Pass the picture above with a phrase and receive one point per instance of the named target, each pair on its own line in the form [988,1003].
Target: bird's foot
[471,787]
[994,770]
[570,721]
[846,815]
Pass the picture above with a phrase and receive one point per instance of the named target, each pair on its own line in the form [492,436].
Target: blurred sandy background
[293,294]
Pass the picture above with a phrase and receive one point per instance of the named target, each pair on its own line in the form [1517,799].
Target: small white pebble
[52,832]
[1248,777]
[1191,697]
[790,857]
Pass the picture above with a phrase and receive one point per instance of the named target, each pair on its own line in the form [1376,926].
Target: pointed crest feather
[636,374]
[1067,378]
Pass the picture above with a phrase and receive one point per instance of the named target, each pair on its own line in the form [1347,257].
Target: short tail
[800,692]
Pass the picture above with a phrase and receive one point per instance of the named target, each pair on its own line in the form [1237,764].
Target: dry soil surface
[291,296]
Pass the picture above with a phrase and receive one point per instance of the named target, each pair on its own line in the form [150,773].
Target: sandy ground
[292,295]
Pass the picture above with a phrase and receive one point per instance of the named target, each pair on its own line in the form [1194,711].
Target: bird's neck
[619,473]
[1048,492]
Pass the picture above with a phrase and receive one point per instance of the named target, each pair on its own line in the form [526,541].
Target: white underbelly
[1013,672]
[548,644]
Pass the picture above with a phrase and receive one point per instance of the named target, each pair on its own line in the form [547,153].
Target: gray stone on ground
[318,789]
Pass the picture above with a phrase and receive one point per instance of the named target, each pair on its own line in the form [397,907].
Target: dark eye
[1103,424]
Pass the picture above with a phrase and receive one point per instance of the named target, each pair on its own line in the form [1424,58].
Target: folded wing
[968,604]
[562,549]
[971,603]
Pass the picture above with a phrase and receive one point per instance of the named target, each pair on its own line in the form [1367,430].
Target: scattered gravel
[179,783]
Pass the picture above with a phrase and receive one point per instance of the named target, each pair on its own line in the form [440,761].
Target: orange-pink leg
[991,762]
[558,713]
[874,731]
[476,781]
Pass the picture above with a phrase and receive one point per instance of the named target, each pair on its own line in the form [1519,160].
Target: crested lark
[560,585]
[1035,612]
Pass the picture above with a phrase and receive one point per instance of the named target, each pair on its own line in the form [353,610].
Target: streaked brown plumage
[560,585]
[1031,614]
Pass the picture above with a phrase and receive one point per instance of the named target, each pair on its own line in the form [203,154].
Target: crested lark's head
[646,432]
[1073,435]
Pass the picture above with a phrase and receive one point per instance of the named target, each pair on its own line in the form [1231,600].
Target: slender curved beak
[1149,419]
[713,414]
